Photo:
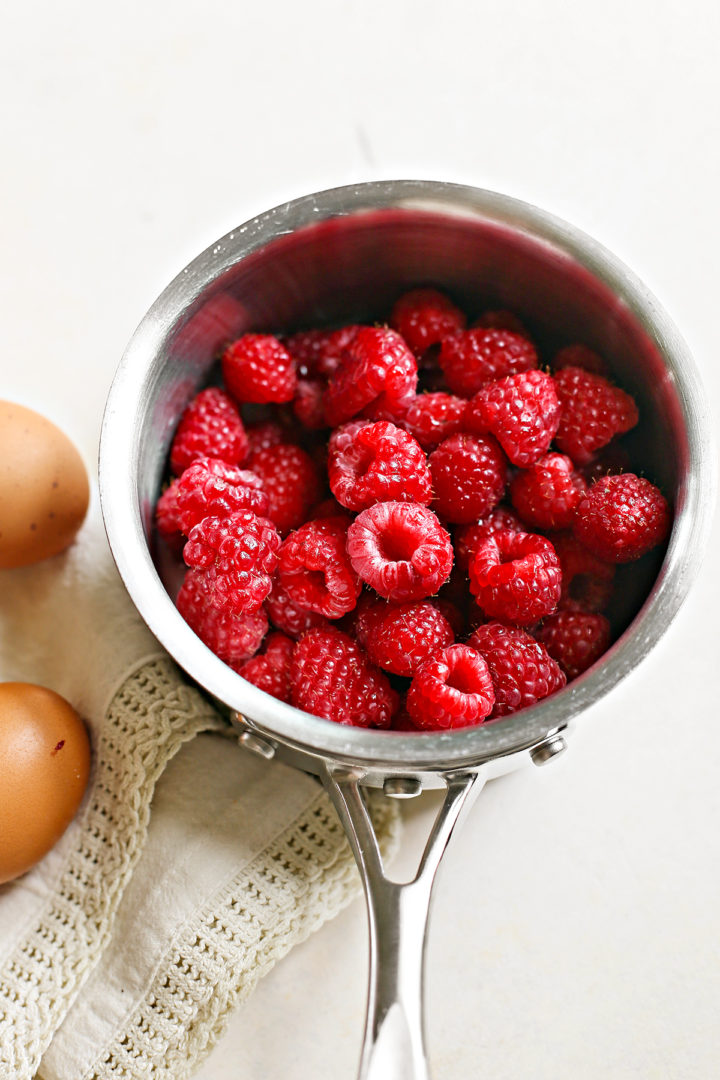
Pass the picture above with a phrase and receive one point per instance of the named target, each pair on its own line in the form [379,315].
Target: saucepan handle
[393,1043]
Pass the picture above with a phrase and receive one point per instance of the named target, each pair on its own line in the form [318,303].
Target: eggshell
[44,487]
[44,769]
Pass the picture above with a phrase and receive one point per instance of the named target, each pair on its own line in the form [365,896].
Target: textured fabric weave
[148,721]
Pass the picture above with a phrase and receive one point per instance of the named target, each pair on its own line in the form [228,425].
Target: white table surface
[577,917]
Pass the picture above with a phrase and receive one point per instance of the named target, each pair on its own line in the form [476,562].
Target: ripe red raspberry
[318,352]
[378,371]
[167,515]
[210,488]
[314,568]
[271,670]
[516,577]
[587,582]
[451,611]
[332,677]
[575,639]
[209,427]
[369,463]
[546,495]
[364,616]
[239,554]
[263,434]
[400,550]
[469,475]
[424,317]
[469,537]
[592,412]
[522,670]
[288,616]
[290,481]
[401,637]
[433,417]
[582,357]
[501,319]
[472,358]
[453,689]
[521,411]
[258,368]
[622,518]
[308,405]
[232,638]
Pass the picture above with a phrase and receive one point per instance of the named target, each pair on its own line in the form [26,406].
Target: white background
[577,920]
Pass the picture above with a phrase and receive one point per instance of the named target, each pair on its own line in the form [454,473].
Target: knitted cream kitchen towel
[244,860]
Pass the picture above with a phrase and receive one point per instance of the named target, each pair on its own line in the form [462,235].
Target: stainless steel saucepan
[345,255]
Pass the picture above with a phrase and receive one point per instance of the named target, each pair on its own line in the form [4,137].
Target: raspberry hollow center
[463,678]
[400,550]
[397,545]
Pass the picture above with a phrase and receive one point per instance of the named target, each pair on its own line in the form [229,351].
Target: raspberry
[592,412]
[400,550]
[369,463]
[290,481]
[288,616]
[521,411]
[500,319]
[450,611]
[546,495]
[622,518]
[378,371]
[365,615]
[424,317]
[210,488]
[522,670]
[318,352]
[433,417]
[271,671]
[401,637]
[582,357]
[239,555]
[258,367]
[332,677]
[516,577]
[233,638]
[469,474]
[167,514]
[308,404]
[575,639]
[264,434]
[587,582]
[453,689]
[472,358]
[315,571]
[469,537]
[209,427]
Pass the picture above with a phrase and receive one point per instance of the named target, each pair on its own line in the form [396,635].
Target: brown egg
[44,488]
[44,769]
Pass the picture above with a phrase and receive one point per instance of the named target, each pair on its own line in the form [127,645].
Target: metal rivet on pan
[402,787]
[256,745]
[548,750]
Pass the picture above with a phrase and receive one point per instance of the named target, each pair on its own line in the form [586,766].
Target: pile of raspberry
[413,525]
